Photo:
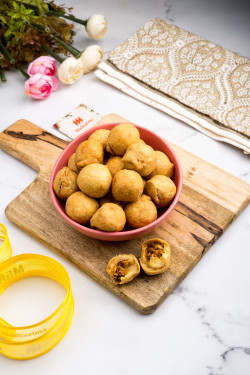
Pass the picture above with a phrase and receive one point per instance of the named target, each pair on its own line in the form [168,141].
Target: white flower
[91,57]
[71,70]
[96,26]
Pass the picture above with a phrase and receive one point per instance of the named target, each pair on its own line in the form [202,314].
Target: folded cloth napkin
[187,77]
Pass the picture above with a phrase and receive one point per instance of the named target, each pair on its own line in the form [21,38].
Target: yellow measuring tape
[35,340]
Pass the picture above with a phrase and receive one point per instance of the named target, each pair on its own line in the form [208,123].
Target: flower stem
[71,18]
[25,74]
[75,52]
[53,54]
[6,52]
[2,76]
[46,29]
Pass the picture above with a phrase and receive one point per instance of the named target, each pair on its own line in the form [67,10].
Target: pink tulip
[40,86]
[44,65]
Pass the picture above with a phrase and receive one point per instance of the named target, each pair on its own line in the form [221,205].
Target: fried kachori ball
[140,157]
[141,213]
[115,164]
[80,208]
[161,189]
[88,152]
[127,186]
[65,183]
[120,137]
[94,180]
[123,268]
[155,256]
[162,166]
[109,218]
[72,163]
[101,136]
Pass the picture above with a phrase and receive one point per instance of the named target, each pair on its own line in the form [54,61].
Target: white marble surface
[203,328]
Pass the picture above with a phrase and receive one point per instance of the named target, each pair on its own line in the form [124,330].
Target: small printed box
[76,122]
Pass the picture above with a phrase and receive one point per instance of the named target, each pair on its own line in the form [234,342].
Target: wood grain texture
[210,200]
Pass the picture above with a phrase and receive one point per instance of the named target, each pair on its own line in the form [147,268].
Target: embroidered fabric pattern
[200,74]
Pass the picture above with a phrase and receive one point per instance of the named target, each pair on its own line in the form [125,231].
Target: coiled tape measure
[35,340]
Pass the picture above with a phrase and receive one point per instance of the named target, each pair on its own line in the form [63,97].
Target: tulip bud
[40,86]
[96,26]
[44,65]
[91,57]
[71,70]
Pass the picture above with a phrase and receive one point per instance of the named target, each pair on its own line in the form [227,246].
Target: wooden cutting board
[210,201]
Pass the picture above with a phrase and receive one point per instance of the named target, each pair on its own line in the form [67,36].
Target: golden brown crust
[120,137]
[123,268]
[161,189]
[115,164]
[155,256]
[101,136]
[140,157]
[141,213]
[80,208]
[94,180]
[109,218]
[65,183]
[88,152]
[163,166]
[127,186]
[72,163]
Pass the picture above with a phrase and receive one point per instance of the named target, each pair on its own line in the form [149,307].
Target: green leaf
[39,6]
[26,11]
[8,34]
[15,6]
[15,16]
[3,19]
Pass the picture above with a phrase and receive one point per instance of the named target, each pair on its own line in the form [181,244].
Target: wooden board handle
[36,147]
[32,145]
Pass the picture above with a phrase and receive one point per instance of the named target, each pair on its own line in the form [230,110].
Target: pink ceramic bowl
[127,234]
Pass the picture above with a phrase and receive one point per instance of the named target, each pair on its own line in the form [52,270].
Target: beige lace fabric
[186,76]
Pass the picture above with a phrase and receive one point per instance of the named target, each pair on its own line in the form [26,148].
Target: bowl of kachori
[116,182]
